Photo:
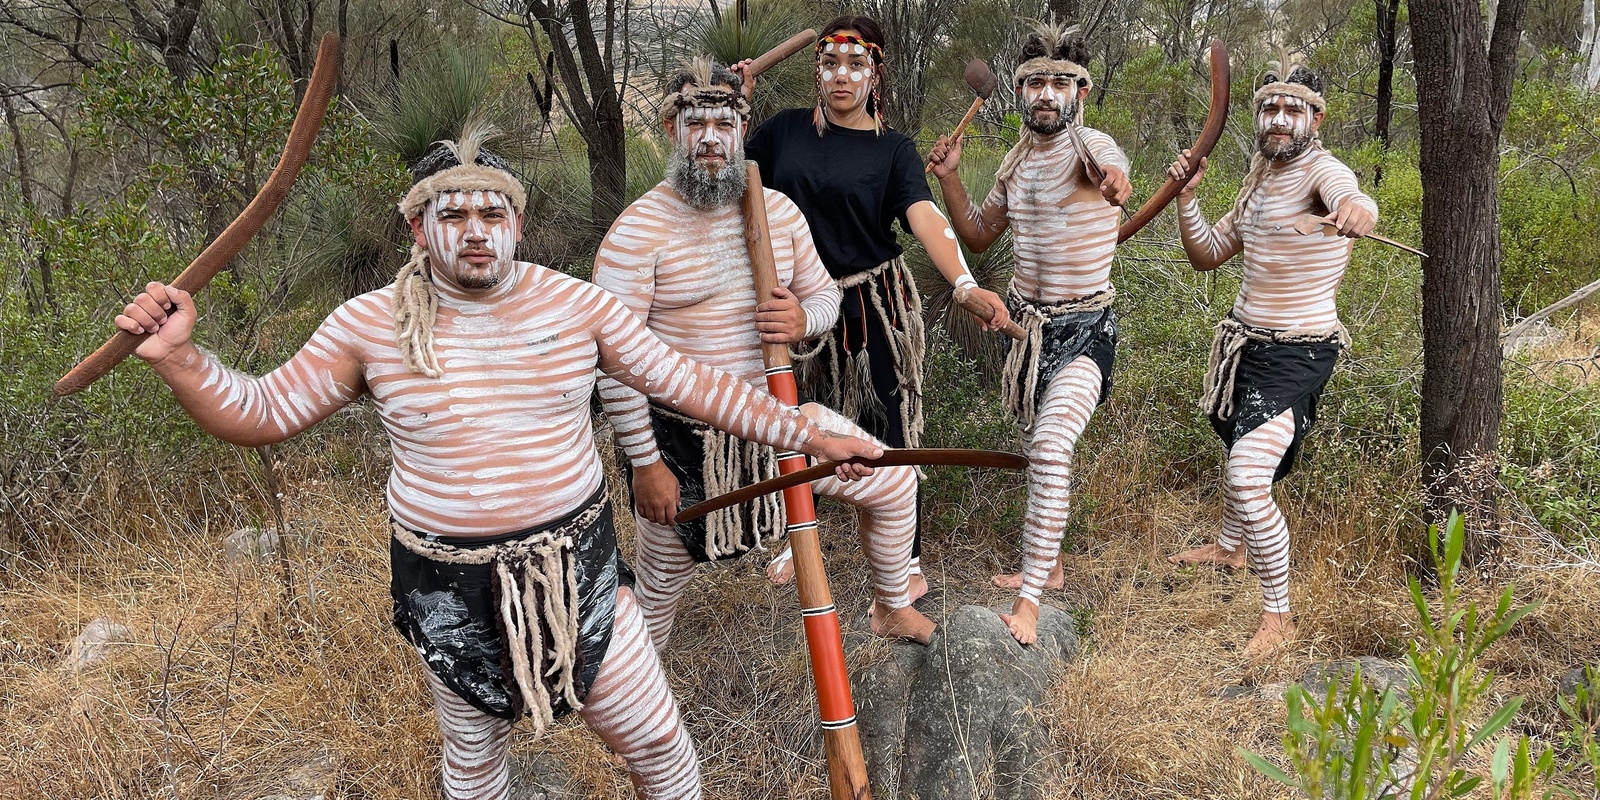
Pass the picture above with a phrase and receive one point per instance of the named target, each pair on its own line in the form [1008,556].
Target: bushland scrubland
[245,678]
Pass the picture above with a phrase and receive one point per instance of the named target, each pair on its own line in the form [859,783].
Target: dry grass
[227,690]
[1573,355]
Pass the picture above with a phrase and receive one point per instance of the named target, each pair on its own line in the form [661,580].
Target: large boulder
[957,720]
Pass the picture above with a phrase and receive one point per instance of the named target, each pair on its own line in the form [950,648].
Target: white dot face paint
[829,48]
[472,237]
[846,77]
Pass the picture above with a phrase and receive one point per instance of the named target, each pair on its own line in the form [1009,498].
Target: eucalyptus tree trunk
[1463,93]
[1388,12]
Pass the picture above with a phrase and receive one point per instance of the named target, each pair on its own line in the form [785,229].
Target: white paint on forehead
[829,48]
[859,50]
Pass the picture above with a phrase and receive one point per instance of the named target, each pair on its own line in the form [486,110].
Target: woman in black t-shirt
[852,177]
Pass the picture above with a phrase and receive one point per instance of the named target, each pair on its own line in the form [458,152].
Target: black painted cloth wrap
[1066,338]
[450,612]
[1274,377]
[726,533]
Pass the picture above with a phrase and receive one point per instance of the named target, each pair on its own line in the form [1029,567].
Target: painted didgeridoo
[847,768]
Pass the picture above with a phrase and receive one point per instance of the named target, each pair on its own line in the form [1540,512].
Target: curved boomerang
[1216,120]
[307,121]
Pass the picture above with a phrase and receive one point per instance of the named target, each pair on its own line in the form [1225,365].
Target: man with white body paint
[1065,232]
[1276,349]
[505,573]
[677,257]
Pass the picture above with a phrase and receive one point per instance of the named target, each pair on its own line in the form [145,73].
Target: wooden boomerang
[1307,224]
[313,107]
[891,458]
[1216,120]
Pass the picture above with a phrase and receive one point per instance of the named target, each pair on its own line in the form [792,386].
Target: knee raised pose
[1064,224]
[1276,349]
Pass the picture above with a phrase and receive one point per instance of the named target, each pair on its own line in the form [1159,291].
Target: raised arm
[978,228]
[1207,247]
[625,266]
[237,408]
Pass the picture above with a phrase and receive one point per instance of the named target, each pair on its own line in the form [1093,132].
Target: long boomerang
[307,121]
[907,457]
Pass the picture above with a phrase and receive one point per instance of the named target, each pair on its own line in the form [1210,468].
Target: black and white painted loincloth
[708,463]
[1057,335]
[1255,374]
[879,305]
[516,624]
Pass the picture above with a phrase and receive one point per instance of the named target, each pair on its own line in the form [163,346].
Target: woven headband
[845,43]
[1299,90]
[1051,66]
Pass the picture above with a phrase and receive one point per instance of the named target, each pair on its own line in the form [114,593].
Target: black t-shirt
[851,185]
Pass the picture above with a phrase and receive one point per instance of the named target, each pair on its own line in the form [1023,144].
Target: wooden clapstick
[773,57]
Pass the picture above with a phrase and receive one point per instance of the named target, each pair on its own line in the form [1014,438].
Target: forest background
[135,130]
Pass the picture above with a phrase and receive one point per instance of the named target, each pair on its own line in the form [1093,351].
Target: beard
[703,188]
[479,280]
[1055,126]
[1298,143]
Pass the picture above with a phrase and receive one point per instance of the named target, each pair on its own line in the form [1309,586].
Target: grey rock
[314,778]
[1375,672]
[250,544]
[1578,676]
[94,642]
[957,720]
[541,776]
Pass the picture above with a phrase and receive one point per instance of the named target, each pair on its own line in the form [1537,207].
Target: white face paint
[847,76]
[1284,114]
[710,136]
[472,237]
[1049,101]
[1284,126]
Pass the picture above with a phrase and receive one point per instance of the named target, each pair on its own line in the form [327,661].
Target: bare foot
[918,586]
[781,569]
[1023,621]
[1056,580]
[1276,631]
[900,623]
[1213,554]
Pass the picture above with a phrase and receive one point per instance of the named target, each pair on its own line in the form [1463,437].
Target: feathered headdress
[1053,49]
[700,85]
[1050,49]
[459,166]
[462,166]
[1283,76]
